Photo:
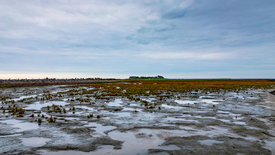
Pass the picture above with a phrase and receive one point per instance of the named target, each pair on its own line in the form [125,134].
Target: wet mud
[64,120]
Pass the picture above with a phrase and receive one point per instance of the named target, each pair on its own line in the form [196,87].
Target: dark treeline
[146,77]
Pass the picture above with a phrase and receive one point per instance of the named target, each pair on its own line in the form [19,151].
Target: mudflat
[140,117]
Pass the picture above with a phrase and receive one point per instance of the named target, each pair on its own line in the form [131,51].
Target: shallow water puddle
[116,103]
[106,149]
[170,106]
[240,123]
[123,114]
[132,143]
[120,114]
[35,141]
[185,102]
[47,152]
[20,125]
[23,97]
[100,129]
[131,109]
[211,101]
[148,99]
[214,131]
[137,118]
[13,135]
[90,109]
[169,147]
[210,131]
[181,119]
[72,118]
[204,100]
[139,141]
[234,95]
[40,105]
[209,142]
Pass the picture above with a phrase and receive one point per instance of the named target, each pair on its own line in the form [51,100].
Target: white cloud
[27,19]
[237,74]
[186,3]
[107,33]
[42,75]
[188,55]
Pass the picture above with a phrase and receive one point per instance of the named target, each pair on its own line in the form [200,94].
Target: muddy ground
[53,121]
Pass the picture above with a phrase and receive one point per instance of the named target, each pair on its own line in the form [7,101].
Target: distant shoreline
[46,82]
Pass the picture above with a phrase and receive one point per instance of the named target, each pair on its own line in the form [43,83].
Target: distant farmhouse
[146,77]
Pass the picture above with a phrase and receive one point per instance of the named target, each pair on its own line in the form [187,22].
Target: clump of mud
[206,145]
[273,92]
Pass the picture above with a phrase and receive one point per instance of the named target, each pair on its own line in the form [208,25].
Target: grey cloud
[174,14]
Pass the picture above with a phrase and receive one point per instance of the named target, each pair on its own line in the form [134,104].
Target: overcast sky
[174,38]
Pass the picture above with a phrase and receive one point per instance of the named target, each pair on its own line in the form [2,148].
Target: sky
[120,38]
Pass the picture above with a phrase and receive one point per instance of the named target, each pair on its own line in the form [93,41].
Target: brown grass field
[177,85]
[157,87]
